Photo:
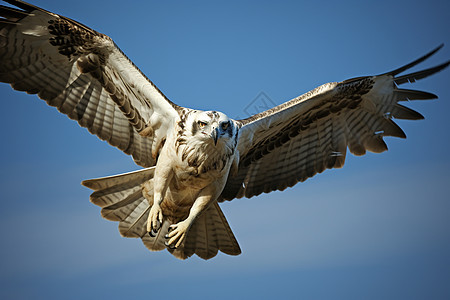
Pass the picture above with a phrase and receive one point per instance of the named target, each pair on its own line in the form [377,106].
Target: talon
[154,221]
[170,246]
[166,236]
[153,233]
[156,226]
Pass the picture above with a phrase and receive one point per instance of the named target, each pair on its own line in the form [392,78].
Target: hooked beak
[215,135]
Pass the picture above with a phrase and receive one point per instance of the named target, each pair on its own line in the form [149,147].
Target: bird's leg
[177,232]
[154,220]
[161,180]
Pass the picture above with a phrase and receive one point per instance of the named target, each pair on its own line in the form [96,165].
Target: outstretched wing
[85,76]
[302,137]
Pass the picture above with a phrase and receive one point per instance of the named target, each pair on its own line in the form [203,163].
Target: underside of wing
[302,137]
[85,76]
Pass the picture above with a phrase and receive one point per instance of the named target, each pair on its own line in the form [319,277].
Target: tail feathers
[134,223]
[115,189]
[209,234]
[121,199]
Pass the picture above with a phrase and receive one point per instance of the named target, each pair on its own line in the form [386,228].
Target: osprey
[192,159]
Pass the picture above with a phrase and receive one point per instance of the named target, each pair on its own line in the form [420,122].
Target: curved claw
[154,221]
[170,246]
[177,233]
[153,233]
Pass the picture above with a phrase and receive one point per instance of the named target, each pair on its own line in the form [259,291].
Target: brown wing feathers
[356,114]
[84,75]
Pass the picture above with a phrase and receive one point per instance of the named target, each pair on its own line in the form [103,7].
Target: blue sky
[377,229]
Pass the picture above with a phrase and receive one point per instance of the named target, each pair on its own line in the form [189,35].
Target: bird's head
[212,127]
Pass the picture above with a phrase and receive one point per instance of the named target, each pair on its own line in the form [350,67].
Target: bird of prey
[192,160]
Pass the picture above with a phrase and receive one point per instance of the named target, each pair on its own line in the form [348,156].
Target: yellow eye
[201,124]
[225,125]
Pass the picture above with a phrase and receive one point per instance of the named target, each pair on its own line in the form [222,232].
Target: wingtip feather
[412,77]
[23,5]
[415,62]
[88,183]
[406,95]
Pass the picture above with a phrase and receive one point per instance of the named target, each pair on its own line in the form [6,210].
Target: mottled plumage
[192,159]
